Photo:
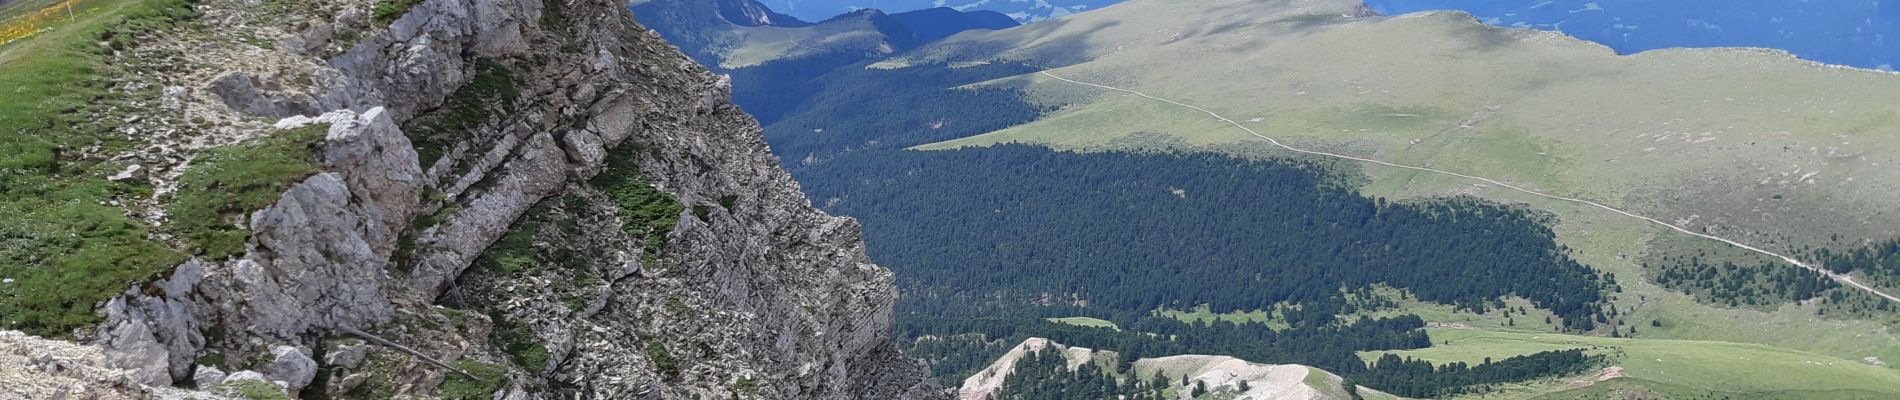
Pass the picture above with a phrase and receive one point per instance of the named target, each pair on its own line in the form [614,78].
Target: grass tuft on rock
[520,343]
[387,11]
[488,378]
[229,182]
[512,253]
[646,212]
[663,360]
[256,390]
[491,93]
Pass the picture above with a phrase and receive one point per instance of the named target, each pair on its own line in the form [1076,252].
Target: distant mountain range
[931,24]
[1862,33]
[730,34]
[1021,10]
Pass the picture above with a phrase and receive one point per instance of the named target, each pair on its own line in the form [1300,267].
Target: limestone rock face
[314,263]
[291,366]
[206,376]
[540,193]
[37,368]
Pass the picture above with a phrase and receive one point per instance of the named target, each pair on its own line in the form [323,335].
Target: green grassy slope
[760,44]
[73,238]
[1749,144]
[1728,130]
[67,248]
[1701,365]
[1086,322]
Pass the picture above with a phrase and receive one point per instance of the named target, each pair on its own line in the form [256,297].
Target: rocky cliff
[526,198]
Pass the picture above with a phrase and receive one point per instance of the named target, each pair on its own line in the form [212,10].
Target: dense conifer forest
[988,242]
[1419,378]
[1021,226]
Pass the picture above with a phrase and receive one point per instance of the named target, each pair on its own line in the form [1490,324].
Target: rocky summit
[513,199]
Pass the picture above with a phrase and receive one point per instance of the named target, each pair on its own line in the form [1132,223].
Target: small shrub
[488,378]
[511,254]
[260,42]
[702,212]
[663,360]
[574,303]
[519,342]
[258,390]
[646,211]
[745,386]
[436,218]
[388,11]
[491,93]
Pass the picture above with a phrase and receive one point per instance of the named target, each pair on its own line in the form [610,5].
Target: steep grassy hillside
[69,244]
[1752,145]
[1746,143]
[870,33]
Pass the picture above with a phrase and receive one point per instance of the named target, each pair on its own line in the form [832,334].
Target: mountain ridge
[1838,33]
[710,34]
[522,199]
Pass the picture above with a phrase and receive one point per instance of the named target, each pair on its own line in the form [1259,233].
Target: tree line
[1333,348]
[1015,226]
[987,242]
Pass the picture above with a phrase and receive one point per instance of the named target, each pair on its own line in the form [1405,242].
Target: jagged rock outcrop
[315,260]
[540,194]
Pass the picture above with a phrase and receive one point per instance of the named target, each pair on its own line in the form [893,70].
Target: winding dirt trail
[1843,279]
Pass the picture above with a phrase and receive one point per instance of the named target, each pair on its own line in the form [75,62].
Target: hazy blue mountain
[752,13]
[1021,10]
[1863,33]
[936,23]
[731,34]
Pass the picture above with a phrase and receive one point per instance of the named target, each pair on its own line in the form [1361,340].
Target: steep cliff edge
[542,195]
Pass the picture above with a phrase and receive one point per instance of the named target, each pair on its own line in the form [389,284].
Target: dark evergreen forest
[1018,225]
[987,242]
